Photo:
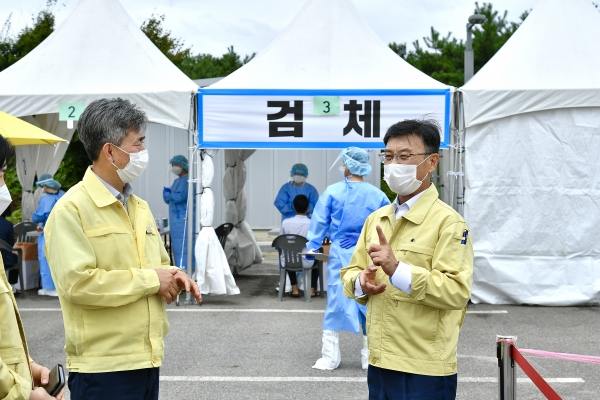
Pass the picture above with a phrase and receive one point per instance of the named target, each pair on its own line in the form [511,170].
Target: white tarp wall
[35,161]
[532,161]
[532,203]
[213,272]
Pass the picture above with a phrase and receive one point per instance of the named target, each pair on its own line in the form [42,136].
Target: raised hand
[383,255]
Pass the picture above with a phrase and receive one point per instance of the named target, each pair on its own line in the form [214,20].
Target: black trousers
[386,384]
[137,384]
[314,277]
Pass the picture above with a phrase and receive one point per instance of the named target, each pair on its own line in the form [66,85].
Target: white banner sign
[246,118]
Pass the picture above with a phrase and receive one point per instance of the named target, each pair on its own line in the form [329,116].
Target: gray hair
[109,121]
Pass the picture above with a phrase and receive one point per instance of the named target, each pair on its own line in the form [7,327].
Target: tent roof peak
[328,46]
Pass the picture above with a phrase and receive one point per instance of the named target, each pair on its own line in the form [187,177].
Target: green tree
[73,165]
[169,45]
[208,66]
[442,58]
[12,49]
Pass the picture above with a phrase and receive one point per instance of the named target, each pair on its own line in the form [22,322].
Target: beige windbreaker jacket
[417,333]
[15,373]
[102,260]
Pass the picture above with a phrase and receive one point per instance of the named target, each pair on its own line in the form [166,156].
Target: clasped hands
[174,280]
[382,256]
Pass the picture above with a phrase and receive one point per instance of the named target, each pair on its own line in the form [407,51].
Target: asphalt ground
[251,346]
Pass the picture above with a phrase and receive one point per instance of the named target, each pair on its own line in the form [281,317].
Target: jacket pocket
[115,243]
[414,254]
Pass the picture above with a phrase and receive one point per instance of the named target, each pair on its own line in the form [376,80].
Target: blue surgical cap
[51,183]
[299,169]
[357,161]
[181,160]
[45,177]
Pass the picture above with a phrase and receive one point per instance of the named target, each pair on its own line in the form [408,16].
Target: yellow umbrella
[21,133]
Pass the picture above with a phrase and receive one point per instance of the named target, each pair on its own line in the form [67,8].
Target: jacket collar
[98,192]
[416,214]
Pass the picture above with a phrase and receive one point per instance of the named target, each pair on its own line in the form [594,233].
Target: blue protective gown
[177,201]
[42,213]
[340,212]
[288,192]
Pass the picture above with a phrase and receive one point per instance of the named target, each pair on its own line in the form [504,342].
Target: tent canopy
[327,59]
[98,51]
[532,187]
[328,46]
[547,64]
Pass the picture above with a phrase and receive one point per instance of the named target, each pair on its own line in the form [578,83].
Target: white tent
[98,51]
[532,171]
[328,50]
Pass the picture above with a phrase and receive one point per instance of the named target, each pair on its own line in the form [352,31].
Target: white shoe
[330,352]
[364,354]
[47,292]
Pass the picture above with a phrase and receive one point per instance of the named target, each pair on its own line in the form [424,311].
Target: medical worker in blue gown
[340,214]
[296,186]
[176,197]
[40,216]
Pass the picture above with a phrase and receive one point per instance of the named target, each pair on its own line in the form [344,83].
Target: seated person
[7,233]
[298,225]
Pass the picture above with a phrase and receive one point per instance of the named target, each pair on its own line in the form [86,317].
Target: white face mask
[402,178]
[176,170]
[299,179]
[134,168]
[343,171]
[5,198]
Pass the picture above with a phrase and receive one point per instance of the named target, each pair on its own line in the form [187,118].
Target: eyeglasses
[402,158]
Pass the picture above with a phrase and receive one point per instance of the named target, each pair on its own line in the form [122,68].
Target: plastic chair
[18,267]
[22,228]
[289,246]
[222,231]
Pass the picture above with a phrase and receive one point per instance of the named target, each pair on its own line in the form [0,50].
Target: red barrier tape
[535,377]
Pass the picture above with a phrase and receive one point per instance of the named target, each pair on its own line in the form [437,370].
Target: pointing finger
[382,238]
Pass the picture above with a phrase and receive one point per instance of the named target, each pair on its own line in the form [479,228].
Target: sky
[210,26]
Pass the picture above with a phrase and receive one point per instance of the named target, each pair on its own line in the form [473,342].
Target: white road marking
[465,379]
[261,379]
[482,358]
[253,310]
[487,312]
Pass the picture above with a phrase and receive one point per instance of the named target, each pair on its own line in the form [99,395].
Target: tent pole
[190,200]
[460,191]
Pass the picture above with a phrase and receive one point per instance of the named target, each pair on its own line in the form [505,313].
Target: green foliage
[170,46]
[442,58]
[208,66]
[13,185]
[12,49]
[194,66]
[74,164]
[490,36]
[16,216]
